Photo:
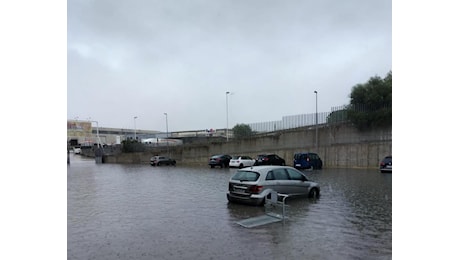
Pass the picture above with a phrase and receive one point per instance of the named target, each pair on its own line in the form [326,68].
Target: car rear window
[246,176]
[300,156]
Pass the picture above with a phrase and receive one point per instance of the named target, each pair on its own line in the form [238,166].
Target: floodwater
[143,212]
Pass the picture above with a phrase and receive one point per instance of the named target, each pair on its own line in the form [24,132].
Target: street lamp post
[97,131]
[99,152]
[226,102]
[97,134]
[316,116]
[135,138]
[167,132]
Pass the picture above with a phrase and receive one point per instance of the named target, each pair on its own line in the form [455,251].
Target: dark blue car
[307,161]
[386,164]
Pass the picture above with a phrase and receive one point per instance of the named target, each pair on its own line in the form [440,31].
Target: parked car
[386,164]
[221,160]
[250,185]
[269,159]
[241,161]
[307,161]
[77,150]
[162,160]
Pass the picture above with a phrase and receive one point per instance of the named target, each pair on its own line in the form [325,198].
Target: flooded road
[143,212]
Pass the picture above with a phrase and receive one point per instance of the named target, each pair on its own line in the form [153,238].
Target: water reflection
[144,212]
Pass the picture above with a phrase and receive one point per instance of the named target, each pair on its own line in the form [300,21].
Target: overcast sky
[145,58]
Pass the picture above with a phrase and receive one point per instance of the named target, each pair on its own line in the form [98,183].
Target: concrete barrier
[339,146]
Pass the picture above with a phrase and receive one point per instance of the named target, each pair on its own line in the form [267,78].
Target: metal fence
[337,115]
[288,122]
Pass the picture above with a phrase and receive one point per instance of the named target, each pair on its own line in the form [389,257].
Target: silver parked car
[162,160]
[250,185]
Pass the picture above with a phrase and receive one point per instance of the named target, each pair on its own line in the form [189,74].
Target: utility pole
[135,138]
[226,101]
[316,116]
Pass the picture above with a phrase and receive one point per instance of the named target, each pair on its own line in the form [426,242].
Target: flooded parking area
[142,212]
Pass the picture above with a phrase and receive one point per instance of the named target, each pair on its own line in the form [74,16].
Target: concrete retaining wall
[338,146]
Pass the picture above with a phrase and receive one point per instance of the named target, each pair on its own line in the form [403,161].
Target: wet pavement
[142,212]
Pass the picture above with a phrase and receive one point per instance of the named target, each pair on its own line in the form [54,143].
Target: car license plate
[388,166]
[297,165]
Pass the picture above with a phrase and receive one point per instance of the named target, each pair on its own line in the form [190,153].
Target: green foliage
[241,131]
[370,104]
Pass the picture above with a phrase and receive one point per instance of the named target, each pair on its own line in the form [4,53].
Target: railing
[337,115]
[288,122]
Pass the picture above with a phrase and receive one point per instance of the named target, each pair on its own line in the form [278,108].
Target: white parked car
[241,161]
[77,150]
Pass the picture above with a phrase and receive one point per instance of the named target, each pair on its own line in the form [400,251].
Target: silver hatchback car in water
[252,184]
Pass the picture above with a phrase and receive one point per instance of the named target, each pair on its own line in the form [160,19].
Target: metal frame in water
[270,216]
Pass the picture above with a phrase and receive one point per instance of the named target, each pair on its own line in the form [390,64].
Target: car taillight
[255,188]
[265,159]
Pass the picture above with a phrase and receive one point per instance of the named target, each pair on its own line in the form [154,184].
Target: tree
[370,104]
[241,131]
